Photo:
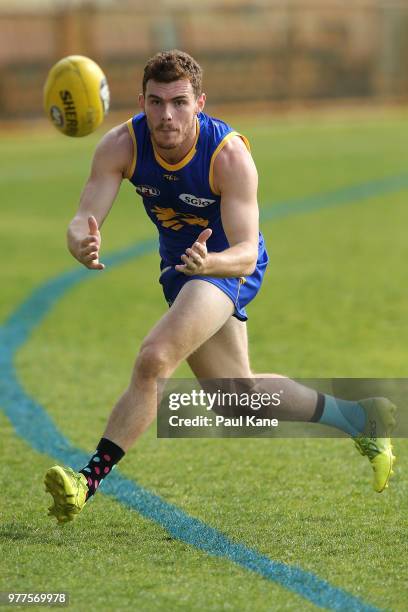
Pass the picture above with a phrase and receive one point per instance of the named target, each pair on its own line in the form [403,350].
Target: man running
[198,183]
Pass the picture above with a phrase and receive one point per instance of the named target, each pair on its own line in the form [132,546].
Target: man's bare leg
[199,311]
[225,355]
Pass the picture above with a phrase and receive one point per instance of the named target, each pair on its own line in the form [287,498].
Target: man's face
[170,109]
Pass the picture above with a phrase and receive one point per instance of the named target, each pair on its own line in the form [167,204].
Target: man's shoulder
[217,128]
[233,161]
[118,136]
[116,146]
[211,120]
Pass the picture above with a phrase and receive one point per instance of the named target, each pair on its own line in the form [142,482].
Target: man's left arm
[236,178]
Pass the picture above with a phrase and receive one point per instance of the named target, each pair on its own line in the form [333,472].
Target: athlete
[198,183]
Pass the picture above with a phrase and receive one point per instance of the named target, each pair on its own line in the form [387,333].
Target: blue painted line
[32,423]
[340,197]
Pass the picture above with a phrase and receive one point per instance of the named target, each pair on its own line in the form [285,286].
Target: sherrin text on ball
[76,95]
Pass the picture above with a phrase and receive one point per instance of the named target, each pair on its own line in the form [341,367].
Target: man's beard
[167,146]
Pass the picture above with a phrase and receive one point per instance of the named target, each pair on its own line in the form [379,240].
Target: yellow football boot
[68,489]
[375,442]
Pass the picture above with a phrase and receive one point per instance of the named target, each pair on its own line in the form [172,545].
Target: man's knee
[154,361]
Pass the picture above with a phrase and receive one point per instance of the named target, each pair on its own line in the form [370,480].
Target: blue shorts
[240,290]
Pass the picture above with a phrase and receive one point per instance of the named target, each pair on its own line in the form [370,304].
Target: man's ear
[200,103]
[142,101]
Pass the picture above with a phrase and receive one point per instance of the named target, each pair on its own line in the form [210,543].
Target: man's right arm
[110,164]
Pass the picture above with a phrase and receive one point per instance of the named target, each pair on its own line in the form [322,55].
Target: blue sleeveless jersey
[181,199]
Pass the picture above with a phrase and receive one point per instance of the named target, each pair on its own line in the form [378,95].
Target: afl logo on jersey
[147,191]
[194,201]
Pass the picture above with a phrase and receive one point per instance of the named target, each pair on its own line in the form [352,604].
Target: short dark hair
[168,66]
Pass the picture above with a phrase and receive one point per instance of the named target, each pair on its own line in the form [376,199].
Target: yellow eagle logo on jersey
[176,220]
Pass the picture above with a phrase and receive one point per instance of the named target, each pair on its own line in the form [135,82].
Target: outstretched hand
[195,258]
[89,247]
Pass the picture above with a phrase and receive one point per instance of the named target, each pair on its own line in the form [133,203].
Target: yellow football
[76,95]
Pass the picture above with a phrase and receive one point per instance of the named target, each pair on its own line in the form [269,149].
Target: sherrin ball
[76,95]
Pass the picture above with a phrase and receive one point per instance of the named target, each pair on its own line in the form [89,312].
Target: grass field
[333,304]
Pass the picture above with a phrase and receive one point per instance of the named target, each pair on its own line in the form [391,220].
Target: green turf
[333,304]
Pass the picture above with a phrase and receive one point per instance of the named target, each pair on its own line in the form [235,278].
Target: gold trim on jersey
[186,158]
[129,124]
[217,150]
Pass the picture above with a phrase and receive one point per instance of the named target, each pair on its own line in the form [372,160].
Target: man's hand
[88,253]
[196,258]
